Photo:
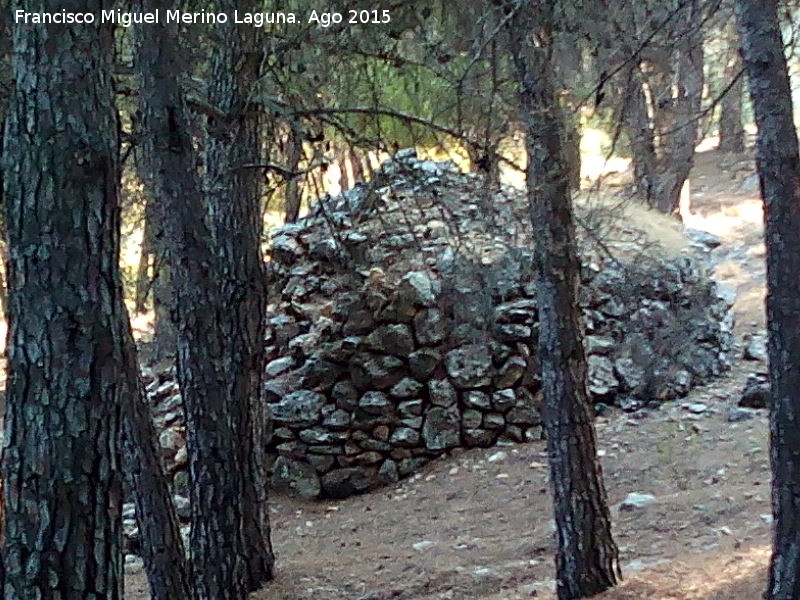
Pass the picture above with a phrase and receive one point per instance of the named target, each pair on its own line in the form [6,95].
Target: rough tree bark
[587,558]
[778,161]
[155,249]
[234,199]
[731,129]
[62,461]
[219,304]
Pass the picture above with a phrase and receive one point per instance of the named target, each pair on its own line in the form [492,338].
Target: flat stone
[301,408]
[477,399]
[279,366]
[502,400]
[405,436]
[376,403]
[636,500]
[406,388]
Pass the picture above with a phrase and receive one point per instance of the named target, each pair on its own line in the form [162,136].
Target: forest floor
[478,525]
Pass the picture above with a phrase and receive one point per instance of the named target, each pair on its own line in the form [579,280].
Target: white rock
[635,500]
[423,545]
[497,457]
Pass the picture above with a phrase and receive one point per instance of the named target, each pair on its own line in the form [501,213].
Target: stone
[294,449]
[502,400]
[477,399]
[345,394]
[376,445]
[524,415]
[359,322]
[388,472]
[737,414]
[283,433]
[442,393]
[341,483]
[510,332]
[410,408]
[602,382]
[497,457]
[300,408]
[395,339]
[703,239]
[276,390]
[180,482]
[629,373]
[413,422]
[320,436]
[406,388]
[404,437]
[338,419]
[319,374]
[523,311]
[423,362]
[534,434]
[419,288]
[182,507]
[411,465]
[376,403]
[170,441]
[375,371]
[756,392]
[321,462]
[423,545]
[286,249]
[295,477]
[756,349]
[510,373]
[635,501]
[368,458]
[469,366]
[599,344]
[441,429]
[471,418]
[279,366]
[429,327]
[478,437]
[494,421]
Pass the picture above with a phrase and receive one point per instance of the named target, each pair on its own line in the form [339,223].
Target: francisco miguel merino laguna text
[126,19]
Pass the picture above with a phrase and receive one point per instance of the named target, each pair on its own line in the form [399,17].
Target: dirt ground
[477,524]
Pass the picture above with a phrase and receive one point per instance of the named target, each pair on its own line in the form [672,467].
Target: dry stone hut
[403,324]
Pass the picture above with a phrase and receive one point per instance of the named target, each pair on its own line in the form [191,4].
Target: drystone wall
[404,323]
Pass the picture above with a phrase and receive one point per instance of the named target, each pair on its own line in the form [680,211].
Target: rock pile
[404,324]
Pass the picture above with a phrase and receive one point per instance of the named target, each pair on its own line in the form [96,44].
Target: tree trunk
[731,130]
[161,542]
[587,558]
[154,244]
[778,163]
[234,199]
[293,187]
[62,461]
[219,304]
